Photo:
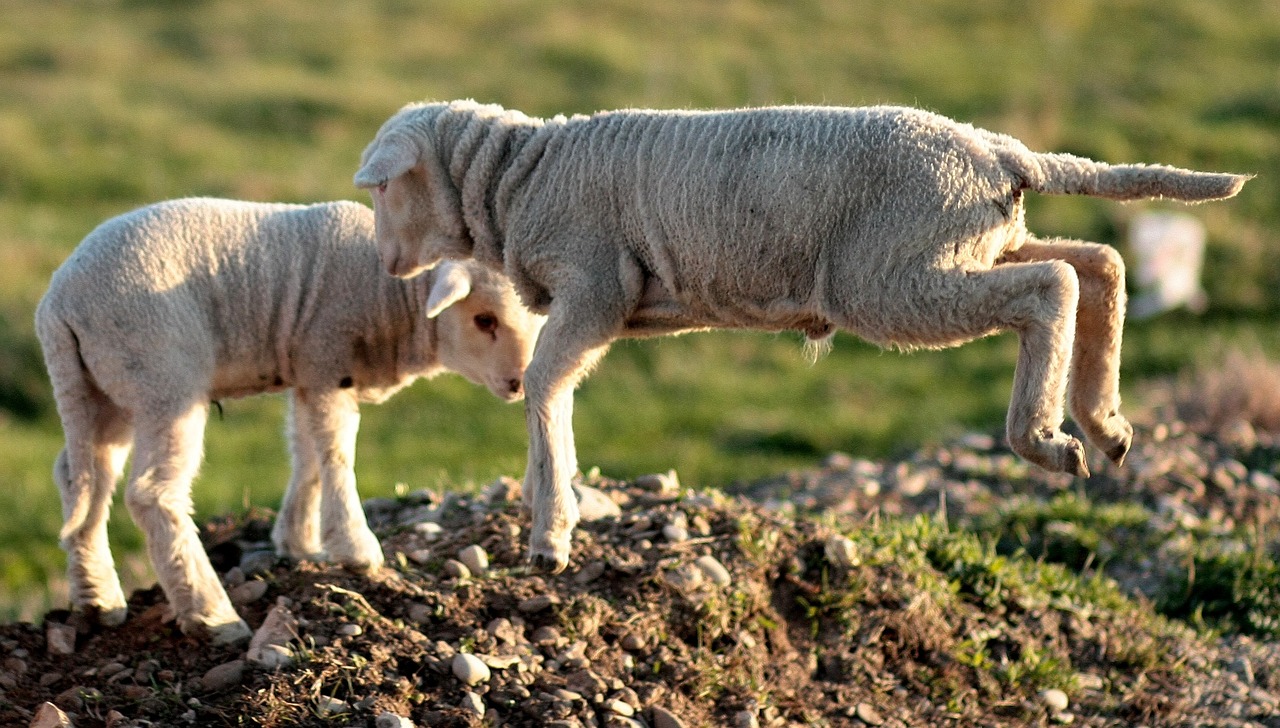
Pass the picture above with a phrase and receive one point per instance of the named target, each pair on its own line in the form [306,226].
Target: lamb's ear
[452,284]
[386,158]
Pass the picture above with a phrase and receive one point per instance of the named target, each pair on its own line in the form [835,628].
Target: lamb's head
[417,208]
[483,332]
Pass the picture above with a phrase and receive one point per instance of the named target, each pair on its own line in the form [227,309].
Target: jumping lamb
[161,310]
[898,225]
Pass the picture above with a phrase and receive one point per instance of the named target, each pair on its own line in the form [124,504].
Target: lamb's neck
[489,157]
[407,304]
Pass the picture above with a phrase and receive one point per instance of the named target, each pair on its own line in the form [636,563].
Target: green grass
[107,106]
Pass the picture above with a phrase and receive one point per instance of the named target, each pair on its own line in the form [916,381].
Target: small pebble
[429,530]
[420,613]
[455,569]
[49,715]
[350,630]
[475,558]
[387,719]
[594,505]
[841,551]
[224,676]
[60,638]
[538,603]
[327,706]
[254,563]
[470,669]
[589,572]
[674,533]
[546,636]
[663,718]
[472,703]
[502,630]
[234,577]
[714,570]
[685,579]
[272,657]
[631,642]
[665,484]
[1054,699]
[868,714]
[620,707]
[248,592]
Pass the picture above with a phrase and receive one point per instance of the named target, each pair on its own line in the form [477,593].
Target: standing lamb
[163,309]
[899,225]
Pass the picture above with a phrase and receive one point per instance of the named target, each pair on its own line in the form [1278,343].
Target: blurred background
[106,106]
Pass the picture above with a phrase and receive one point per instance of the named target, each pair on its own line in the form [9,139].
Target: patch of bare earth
[686,609]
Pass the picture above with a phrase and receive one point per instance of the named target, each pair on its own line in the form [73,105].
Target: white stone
[594,505]
[470,669]
[475,558]
[269,647]
[331,706]
[473,703]
[714,570]
[49,715]
[60,638]
[1054,699]
[429,530]
[456,569]
[621,707]
[841,551]
[390,720]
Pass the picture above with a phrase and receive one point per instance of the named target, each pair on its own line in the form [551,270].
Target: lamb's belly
[245,378]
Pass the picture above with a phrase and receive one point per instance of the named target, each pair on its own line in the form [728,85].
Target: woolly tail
[1065,174]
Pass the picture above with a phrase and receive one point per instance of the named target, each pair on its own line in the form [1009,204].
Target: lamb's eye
[382,186]
[486,322]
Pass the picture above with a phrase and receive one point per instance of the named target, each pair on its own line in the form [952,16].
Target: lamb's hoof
[1054,451]
[547,563]
[99,615]
[231,633]
[1123,440]
[1117,453]
[1073,460]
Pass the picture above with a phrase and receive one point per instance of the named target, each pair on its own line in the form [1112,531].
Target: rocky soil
[793,601]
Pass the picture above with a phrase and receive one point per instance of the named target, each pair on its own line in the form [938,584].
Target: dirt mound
[679,608]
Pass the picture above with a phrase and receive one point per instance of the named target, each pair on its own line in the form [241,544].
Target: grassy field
[105,106]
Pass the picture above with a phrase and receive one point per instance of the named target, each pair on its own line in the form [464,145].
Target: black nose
[514,385]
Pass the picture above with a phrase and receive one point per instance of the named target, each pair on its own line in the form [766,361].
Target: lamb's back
[229,288]
[742,206]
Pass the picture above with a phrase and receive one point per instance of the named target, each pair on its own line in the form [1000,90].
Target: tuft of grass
[1228,590]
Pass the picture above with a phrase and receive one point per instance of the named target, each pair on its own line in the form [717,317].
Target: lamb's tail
[1066,174]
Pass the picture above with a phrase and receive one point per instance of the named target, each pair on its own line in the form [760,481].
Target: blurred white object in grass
[1169,252]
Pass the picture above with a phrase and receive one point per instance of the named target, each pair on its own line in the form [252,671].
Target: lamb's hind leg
[1038,300]
[1093,392]
[86,473]
[167,451]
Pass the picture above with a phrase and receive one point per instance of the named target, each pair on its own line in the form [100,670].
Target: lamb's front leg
[570,344]
[296,533]
[330,418]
